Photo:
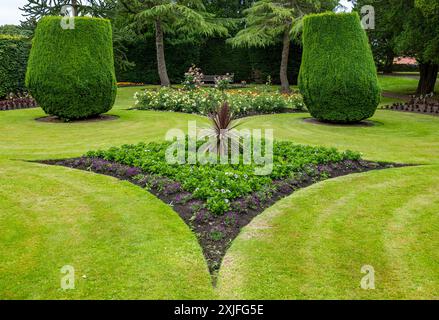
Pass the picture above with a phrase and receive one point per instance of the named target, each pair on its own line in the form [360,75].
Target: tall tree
[268,22]
[35,9]
[420,38]
[382,36]
[184,19]
[227,8]
[15,30]
[411,28]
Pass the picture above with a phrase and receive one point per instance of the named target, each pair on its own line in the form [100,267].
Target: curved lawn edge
[401,137]
[404,138]
[313,243]
[123,243]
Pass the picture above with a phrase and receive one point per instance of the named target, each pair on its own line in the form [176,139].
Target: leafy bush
[193,78]
[221,183]
[71,72]
[338,77]
[223,82]
[204,101]
[14,52]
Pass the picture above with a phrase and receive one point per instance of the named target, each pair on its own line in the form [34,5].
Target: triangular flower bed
[243,195]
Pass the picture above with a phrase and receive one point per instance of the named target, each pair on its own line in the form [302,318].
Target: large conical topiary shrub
[337,77]
[71,71]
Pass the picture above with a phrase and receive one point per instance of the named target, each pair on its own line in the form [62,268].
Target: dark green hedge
[71,71]
[338,77]
[143,53]
[14,52]
[213,56]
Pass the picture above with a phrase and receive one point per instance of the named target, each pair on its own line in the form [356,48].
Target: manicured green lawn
[131,245]
[396,136]
[400,85]
[25,138]
[126,242]
[314,243]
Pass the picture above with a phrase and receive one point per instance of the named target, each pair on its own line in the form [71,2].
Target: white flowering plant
[205,100]
[193,78]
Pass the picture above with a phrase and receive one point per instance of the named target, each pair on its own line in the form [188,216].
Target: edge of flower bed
[216,233]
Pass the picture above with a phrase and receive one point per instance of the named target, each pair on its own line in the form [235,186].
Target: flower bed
[13,102]
[424,105]
[204,101]
[217,200]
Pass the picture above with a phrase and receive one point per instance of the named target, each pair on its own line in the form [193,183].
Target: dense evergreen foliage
[14,51]
[34,10]
[338,77]
[71,72]
[270,22]
[178,19]
[217,183]
[213,56]
[406,28]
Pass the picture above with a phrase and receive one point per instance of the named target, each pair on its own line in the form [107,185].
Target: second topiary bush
[338,78]
[71,71]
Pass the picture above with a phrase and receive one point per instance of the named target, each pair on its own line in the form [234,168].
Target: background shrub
[206,100]
[213,56]
[338,77]
[14,52]
[71,71]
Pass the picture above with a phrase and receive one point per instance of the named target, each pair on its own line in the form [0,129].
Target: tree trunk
[161,64]
[285,86]
[428,76]
[75,8]
[388,65]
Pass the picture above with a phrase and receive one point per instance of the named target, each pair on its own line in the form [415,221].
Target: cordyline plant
[223,130]
[185,19]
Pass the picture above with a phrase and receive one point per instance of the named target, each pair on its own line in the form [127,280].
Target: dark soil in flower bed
[55,119]
[364,123]
[255,113]
[216,232]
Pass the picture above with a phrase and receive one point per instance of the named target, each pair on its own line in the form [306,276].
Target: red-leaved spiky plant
[223,129]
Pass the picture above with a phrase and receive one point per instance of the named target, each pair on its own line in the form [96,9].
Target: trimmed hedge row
[213,56]
[71,71]
[14,51]
[338,78]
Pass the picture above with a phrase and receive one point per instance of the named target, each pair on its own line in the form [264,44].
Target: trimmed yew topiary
[71,71]
[338,77]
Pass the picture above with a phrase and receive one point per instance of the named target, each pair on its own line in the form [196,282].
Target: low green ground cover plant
[205,100]
[218,184]
[217,200]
